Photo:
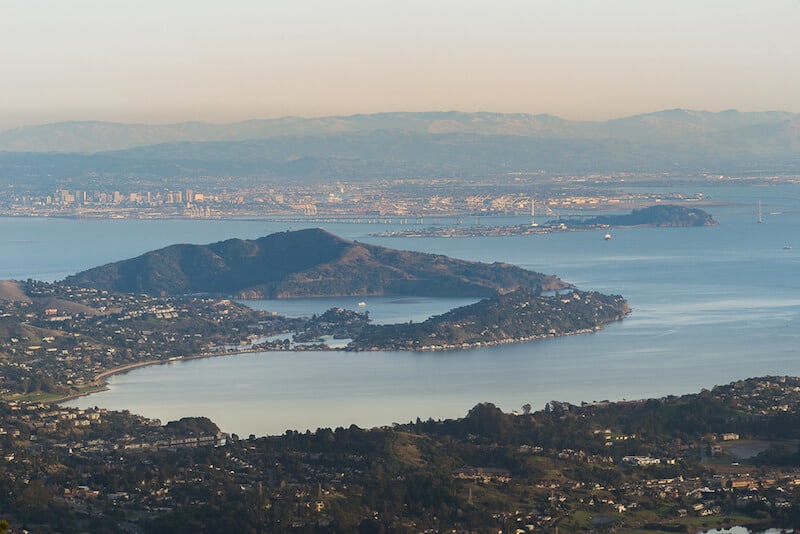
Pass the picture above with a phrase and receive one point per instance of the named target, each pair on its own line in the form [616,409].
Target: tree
[486,419]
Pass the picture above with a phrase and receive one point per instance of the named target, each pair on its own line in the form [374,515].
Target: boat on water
[607,237]
[362,304]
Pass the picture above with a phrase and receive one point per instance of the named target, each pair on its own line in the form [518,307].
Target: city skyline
[195,61]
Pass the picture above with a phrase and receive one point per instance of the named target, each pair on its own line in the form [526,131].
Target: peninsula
[521,315]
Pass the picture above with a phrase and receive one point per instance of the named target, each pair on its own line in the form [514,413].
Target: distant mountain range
[406,144]
[659,127]
[306,263]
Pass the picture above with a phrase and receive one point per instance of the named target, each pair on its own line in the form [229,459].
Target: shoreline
[102,383]
[479,344]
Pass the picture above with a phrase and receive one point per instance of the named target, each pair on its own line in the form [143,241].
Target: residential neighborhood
[636,464]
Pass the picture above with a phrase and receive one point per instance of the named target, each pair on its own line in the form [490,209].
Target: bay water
[710,305]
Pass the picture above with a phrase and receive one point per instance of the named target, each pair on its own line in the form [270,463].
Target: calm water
[711,305]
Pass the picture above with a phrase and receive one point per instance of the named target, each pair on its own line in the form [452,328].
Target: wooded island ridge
[666,215]
[306,263]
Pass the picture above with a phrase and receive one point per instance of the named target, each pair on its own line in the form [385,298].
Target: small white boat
[362,304]
[607,237]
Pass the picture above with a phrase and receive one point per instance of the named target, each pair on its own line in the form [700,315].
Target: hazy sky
[177,60]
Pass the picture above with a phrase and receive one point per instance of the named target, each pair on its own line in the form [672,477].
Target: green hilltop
[306,263]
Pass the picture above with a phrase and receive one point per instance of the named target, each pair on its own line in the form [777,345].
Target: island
[306,263]
[661,215]
[658,215]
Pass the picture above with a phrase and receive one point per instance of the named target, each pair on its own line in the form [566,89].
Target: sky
[165,61]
